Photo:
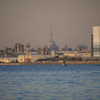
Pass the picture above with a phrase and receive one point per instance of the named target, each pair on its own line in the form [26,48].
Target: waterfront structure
[21,58]
[35,57]
[8,59]
[96,42]
[75,53]
[32,57]
[28,57]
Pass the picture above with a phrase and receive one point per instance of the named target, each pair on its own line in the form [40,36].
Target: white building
[21,58]
[8,59]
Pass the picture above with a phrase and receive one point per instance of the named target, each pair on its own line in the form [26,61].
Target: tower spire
[51,27]
[51,40]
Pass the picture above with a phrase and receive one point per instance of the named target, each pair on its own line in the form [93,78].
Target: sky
[24,21]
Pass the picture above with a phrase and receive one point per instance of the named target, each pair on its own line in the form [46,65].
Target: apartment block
[96,41]
[20,48]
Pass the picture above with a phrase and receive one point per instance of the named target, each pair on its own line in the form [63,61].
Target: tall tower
[51,40]
[28,57]
[28,48]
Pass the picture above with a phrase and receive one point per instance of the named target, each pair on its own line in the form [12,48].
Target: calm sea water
[50,82]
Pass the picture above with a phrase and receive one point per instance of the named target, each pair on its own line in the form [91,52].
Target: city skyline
[24,21]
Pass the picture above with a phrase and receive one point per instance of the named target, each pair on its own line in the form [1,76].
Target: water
[50,82]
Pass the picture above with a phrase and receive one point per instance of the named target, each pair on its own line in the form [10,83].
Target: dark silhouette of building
[1,53]
[18,47]
[43,51]
[32,50]
[66,48]
[92,45]
[9,49]
[81,48]
[54,47]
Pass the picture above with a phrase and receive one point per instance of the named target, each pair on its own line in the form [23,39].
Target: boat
[63,64]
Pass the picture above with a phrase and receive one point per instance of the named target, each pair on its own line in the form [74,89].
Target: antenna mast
[51,40]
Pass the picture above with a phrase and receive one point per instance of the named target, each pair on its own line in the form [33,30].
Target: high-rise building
[43,51]
[96,41]
[20,48]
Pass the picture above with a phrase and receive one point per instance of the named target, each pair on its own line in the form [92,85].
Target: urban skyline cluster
[65,48]
[30,54]
[53,46]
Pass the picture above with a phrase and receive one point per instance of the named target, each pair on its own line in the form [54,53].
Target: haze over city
[29,20]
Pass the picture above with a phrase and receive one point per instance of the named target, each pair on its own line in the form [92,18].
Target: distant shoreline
[53,63]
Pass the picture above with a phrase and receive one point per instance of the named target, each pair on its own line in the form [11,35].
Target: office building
[96,41]
[18,47]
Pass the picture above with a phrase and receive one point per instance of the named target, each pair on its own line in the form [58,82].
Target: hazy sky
[29,20]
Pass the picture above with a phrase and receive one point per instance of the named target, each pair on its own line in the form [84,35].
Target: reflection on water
[50,82]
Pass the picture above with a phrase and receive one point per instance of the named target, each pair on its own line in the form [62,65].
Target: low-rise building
[9,49]
[75,53]
[8,59]
[66,48]
[21,58]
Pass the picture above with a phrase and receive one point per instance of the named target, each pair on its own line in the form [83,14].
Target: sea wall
[53,63]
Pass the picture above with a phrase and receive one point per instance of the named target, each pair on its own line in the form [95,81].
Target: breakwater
[53,63]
